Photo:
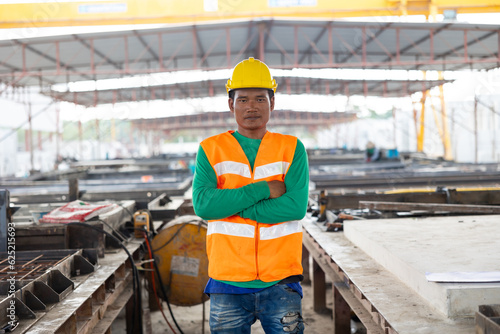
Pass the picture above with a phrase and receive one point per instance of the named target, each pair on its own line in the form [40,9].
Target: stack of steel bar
[334,174]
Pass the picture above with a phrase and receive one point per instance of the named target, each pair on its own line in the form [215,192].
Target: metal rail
[406,179]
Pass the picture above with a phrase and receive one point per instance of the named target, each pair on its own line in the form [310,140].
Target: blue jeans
[278,308]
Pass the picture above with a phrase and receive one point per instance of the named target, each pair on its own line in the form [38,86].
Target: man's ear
[271,103]
[230,103]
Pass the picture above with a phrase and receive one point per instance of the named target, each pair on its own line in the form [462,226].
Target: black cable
[114,230]
[130,213]
[161,282]
[135,279]
[171,238]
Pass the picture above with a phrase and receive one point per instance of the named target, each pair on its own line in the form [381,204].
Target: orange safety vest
[241,249]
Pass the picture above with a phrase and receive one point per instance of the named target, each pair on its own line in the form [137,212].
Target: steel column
[398,59]
[195,63]
[261,42]
[431,36]
[30,129]
[125,41]
[421,126]
[498,46]
[58,58]
[24,57]
[363,37]
[160,52]
[58,132]
[92,63]
[330,45]
[296,46]
[4,218]
[228,52]
[475,130]
[80,140]
[465,46]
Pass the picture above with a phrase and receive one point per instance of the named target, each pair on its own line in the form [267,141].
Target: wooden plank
[430,207]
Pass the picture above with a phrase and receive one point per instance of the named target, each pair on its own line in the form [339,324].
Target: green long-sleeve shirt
[252,201]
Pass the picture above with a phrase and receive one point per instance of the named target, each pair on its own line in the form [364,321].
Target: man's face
[252,108]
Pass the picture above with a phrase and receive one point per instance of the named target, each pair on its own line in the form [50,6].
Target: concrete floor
[411,247]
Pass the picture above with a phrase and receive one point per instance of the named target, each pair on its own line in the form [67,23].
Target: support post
[58,135]
[475,129]
[444,119]
[296,46]
[4,218]
[130,312]
[305,265]
[80,139]
[73,189]
[319,288]
[494,137]
[98,138]
[341,312]
[421,127]
[261,41]
[30,120]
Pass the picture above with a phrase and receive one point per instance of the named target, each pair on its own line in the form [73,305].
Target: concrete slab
[396,307]
[410,247]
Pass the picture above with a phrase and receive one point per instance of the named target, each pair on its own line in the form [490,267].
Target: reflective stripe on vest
[233,229]
[272,169]
[232,167]
[280,230]
[261,172]
[244,230]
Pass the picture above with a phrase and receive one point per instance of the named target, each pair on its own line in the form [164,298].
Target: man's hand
[276,188]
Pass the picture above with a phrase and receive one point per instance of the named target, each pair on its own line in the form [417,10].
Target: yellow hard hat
[251,73]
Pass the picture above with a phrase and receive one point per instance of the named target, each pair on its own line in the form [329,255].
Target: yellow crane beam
[117,12]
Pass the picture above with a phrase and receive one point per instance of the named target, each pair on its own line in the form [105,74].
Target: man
[372,153]
[252,187]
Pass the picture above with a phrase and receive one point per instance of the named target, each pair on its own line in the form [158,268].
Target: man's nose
[252,103]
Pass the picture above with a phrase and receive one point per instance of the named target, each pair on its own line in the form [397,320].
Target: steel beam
[431,207]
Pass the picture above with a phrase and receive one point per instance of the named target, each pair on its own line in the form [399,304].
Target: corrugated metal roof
[284,44]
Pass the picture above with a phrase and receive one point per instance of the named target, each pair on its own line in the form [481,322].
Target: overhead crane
[84,13]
